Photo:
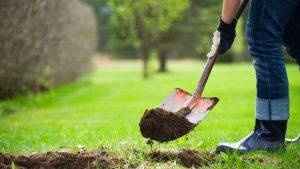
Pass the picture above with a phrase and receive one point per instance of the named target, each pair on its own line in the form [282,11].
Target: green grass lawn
[104,109]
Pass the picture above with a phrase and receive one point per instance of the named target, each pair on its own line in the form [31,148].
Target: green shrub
[43,43]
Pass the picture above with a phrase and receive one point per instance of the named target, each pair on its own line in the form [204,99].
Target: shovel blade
[179,99]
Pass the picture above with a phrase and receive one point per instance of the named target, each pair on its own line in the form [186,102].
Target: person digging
[267,28]
[270,24]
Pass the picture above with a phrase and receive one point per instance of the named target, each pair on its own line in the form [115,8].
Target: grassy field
[104,109]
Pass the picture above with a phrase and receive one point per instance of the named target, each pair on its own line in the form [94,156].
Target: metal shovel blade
[179,99]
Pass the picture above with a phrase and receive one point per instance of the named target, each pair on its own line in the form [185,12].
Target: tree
[142,22]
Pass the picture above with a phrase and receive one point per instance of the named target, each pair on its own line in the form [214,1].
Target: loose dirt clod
[162,126]
[188,158]
[61,160]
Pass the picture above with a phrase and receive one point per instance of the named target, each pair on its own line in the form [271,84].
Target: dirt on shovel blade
[162,126]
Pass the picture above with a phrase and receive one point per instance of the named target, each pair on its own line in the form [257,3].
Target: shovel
[199,106]
[181,111]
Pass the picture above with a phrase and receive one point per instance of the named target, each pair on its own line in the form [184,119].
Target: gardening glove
[223,38]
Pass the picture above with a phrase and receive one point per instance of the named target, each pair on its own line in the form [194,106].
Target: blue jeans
[272,23]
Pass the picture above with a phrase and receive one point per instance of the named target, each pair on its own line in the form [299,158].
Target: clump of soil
[162,126]
[188,158]
[61,160]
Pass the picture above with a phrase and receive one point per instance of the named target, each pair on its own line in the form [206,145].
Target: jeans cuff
[272,109]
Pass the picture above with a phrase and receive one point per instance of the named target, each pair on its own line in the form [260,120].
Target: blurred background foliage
[183,27]
[45,43]
[169,29]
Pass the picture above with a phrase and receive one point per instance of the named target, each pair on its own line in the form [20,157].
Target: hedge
[44,43]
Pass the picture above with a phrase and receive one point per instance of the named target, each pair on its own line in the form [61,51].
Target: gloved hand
[223,38]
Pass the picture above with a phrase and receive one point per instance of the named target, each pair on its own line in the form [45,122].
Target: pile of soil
[162,126]
[186,157]
[106,159]
[61,160]
[193,158]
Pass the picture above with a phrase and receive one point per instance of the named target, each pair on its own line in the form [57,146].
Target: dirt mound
[188,158]
[162,126]
[62,160]
[193,158]
[106,159]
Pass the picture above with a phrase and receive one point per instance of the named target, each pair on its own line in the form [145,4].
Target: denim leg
[292,36]
[265,31]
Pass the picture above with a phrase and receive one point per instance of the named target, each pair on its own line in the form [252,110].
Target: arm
[225,33]
[230,8]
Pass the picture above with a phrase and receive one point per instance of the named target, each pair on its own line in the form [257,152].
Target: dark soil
[103,158]
[186,157]
[162,126]
[61,160]
[193,158]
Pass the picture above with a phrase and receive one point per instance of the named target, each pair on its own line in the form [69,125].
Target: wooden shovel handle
[211,61]
[205,74]
[241,9]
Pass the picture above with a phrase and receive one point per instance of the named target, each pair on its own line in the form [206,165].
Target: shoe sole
[229,150]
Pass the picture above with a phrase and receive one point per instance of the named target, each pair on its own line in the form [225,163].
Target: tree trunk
[162,56]
[145,68]
[145,56]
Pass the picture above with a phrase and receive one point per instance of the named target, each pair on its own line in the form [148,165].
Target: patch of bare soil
[62,160]
[103,158]
[162,126]
[186,157]
[193,158]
